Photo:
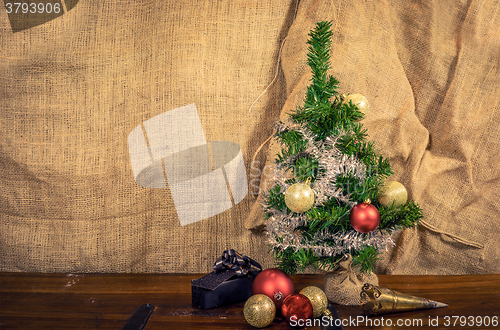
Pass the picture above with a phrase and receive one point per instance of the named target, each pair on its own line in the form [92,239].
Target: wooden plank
[106,301]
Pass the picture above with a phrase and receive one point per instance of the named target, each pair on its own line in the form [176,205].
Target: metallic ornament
[318,299]
[296,307]
[259,311]
[364,217]
[359,101]
[274,283]
[299,197]
[392,192]
[376,300]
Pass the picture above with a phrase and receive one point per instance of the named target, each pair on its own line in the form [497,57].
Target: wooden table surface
[106,301]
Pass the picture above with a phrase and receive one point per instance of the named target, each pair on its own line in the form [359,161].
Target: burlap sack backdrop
[73,88]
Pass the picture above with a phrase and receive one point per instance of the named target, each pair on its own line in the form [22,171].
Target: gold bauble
[392,191]
[318,299]
[259,311]
[360,101]
[299,197]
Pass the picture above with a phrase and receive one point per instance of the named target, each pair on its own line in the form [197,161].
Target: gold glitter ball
[318,299]
[259,311]
[392,192]
[360,101]
[299,197]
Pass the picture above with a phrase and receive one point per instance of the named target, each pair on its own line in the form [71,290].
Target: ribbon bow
[240,263]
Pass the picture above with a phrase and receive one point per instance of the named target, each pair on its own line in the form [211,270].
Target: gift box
[230,282]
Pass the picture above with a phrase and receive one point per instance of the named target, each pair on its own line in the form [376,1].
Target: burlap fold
[343,285]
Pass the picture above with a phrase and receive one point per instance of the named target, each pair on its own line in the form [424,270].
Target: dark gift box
[230,282]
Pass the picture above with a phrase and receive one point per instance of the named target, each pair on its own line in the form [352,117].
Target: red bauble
[364,217]
[274,283]
[296,309]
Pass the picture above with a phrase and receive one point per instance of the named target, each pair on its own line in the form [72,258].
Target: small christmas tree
[325,200]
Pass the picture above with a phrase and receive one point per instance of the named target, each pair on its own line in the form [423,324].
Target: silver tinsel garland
[338,243]
[282,227]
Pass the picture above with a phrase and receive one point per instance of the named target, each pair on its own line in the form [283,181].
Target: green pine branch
[365,258]
[399,217]
[323,87]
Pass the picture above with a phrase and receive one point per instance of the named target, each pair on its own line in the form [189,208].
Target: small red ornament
[364,217]
[296,309]
[274,283]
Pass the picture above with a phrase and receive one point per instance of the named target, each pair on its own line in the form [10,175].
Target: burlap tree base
[343,285]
